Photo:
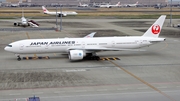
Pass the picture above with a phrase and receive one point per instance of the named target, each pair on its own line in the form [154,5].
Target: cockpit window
[9,45]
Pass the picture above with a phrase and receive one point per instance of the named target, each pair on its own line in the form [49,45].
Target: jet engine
[75,55]
[15,24]
[63,15]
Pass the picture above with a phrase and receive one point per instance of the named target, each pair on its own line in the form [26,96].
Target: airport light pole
[171,14]
[56,19]
[61,18]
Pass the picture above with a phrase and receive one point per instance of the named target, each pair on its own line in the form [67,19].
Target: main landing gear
[18,57]
[92,56]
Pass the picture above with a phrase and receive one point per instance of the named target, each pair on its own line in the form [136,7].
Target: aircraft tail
[80,3]
[137,2]
[118,3]
[20,1]
[155,29]
[44,9]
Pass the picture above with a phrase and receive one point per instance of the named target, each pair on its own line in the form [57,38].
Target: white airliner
[132,5]
[63,13]
[79,48]
[83,5]
[24,22]
[109,6]
[15,4]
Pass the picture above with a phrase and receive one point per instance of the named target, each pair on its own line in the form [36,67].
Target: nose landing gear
[18,57]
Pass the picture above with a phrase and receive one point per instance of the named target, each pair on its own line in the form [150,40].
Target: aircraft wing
[111,49]
[96,49]
[18,22]
[91,35]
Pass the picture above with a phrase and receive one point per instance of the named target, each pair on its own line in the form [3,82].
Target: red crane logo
[155,29]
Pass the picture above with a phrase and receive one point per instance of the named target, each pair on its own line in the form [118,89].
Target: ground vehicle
[33,99]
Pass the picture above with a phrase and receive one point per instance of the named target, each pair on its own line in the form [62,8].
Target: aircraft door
[83,44]
[21,46]
[141,42]
[47,46]
[113,44]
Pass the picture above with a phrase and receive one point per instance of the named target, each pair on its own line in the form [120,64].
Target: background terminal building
[76,2]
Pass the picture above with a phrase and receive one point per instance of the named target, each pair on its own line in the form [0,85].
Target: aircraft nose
[9,49]
[23,22]
[6,48]
[75,12]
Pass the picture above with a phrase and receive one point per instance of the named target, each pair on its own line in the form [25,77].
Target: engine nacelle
[75,55]
[63,15]
[15,24]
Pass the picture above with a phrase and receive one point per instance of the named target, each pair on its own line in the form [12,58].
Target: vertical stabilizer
[155,29]
[137,2]
[44,9]
[118,3]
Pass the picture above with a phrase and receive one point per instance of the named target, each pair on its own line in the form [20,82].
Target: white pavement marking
[75,70]
[176,40]
[60,92]
[162,87]
[38,93]
[143,88]
[80,91]
[15,94]
[118,68]
[122,88]
[102,90]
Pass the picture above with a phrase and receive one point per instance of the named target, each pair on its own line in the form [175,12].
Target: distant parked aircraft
[82,5]
[132,5]
[108,5]
[159,6]
[24,22]
[15,4]
[63,13]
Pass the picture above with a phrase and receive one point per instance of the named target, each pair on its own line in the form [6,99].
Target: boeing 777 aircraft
[108,5]
[24,22]
[83,5]
[15,4]
[132,5]
[78,48]
[63,13]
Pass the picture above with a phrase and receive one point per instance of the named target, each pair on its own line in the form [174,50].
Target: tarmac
[148,75]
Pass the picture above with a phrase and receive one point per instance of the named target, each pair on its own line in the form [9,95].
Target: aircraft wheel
[97,58]
[19,59]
